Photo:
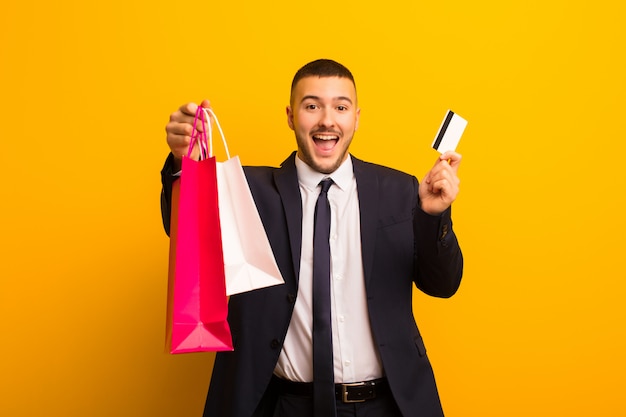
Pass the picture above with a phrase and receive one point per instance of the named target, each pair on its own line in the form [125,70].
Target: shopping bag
[248,258]
[197,302]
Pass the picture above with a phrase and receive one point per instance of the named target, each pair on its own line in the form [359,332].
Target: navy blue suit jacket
[401,246]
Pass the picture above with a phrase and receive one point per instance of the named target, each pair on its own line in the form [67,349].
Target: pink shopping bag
[197,302]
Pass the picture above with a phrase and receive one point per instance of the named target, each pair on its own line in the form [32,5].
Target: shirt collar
[310,178]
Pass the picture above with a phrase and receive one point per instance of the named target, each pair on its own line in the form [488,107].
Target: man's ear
[358,117]
[290,118]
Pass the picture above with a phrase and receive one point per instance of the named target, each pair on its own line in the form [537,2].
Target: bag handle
[197,137]
[200,138]
[219,128]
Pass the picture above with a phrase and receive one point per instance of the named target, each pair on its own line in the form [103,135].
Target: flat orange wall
[87,87]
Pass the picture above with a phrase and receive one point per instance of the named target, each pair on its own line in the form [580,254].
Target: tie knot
[326,183]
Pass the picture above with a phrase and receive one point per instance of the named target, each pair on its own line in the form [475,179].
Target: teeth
[325,137]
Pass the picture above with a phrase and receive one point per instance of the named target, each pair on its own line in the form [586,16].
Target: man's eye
[342,108]
[311,106]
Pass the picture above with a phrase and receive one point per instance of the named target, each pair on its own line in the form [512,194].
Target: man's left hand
[440,185]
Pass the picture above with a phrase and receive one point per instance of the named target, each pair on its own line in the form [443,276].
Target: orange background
[537,327]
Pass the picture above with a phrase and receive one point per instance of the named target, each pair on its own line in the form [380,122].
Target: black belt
[354,392]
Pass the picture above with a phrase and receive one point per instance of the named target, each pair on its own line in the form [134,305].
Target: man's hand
[180,128]
[440,185]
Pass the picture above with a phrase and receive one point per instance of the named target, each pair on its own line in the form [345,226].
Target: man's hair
[322,68]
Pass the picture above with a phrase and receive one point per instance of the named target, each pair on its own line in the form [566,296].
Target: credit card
[449,133]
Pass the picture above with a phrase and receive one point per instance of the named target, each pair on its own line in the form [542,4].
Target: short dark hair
[322,68]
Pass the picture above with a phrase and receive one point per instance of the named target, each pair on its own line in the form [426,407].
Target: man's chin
[327,166]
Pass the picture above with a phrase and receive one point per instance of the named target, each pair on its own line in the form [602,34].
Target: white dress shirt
[355,355]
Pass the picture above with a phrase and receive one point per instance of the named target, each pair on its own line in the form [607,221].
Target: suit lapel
[367,188]
[286,179]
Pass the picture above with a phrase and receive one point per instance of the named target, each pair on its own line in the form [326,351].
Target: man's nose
[326,119]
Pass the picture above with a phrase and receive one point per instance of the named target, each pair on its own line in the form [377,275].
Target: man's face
[324,116]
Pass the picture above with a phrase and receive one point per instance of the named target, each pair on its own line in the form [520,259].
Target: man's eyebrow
[339,98]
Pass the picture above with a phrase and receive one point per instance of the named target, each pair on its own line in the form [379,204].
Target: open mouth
[325,142]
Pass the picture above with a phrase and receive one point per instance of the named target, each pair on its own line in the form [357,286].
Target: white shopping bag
[249,262]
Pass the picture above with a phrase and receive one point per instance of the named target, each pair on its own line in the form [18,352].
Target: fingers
[188,109]
[178,135]
[187,112]
[437,195]
[444,182]
[447,165]
[445,186]
[440,185]
[206,104]
[452,158]
[180,127]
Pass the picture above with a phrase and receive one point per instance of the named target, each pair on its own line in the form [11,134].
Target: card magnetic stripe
[443,129]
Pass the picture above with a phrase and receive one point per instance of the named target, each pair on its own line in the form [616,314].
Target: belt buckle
[344,392]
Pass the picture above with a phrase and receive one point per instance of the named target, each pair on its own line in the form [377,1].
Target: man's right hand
[180,128]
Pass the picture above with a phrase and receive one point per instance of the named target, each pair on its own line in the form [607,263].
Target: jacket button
[275,344]
[291,298]
[444,232]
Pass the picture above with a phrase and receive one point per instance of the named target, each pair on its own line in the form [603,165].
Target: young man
[386,235]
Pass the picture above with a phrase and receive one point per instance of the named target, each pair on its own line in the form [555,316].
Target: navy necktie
[323,371]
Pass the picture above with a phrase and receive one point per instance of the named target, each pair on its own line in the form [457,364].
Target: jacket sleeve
[439,261]
[167,179]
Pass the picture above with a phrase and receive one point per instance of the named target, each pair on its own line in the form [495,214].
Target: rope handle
[205,145]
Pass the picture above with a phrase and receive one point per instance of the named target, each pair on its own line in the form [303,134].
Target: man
[386,234]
